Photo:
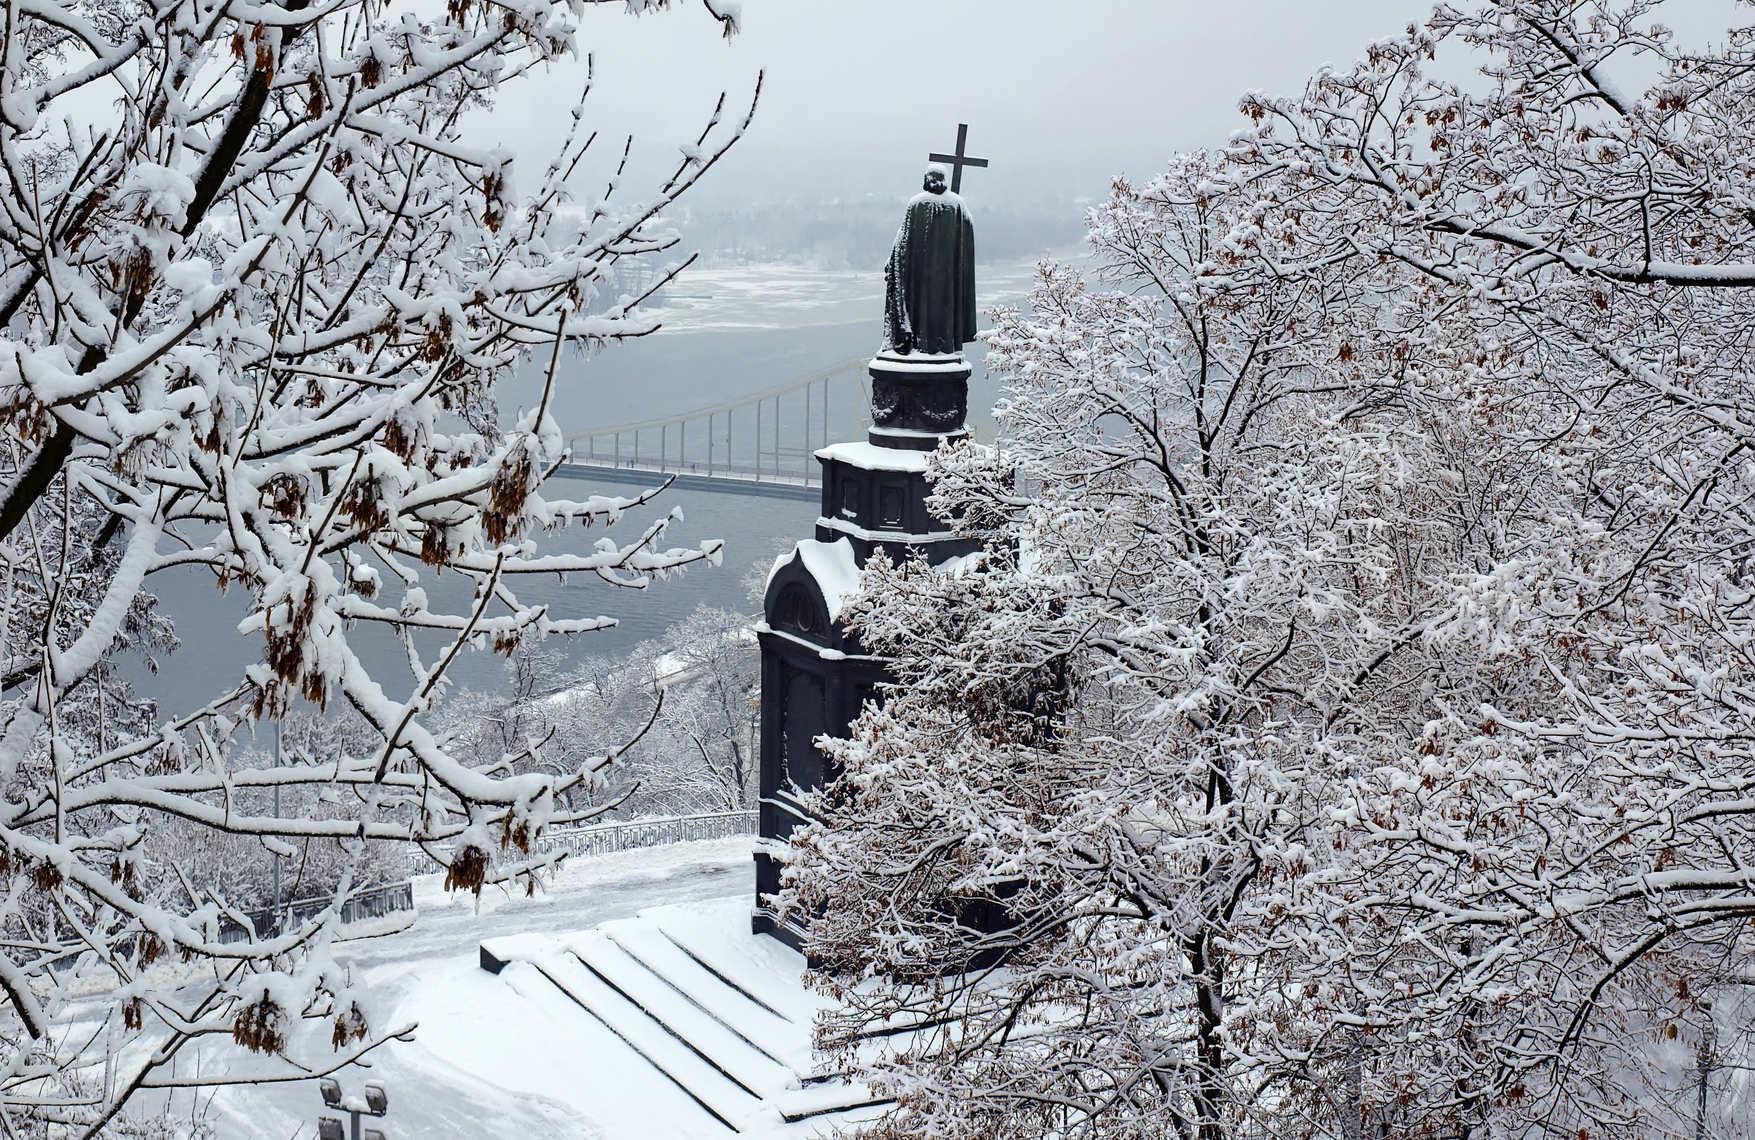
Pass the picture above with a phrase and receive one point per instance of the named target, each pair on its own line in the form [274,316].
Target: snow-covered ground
[693,1027]
[482,1063]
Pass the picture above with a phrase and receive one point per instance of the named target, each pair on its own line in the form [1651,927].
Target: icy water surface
[214,654]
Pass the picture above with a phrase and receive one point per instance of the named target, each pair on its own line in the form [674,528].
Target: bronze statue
[929,283]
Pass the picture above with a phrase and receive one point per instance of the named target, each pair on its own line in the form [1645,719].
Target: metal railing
[775,442]
[375,902]
[601,839]
[604,839]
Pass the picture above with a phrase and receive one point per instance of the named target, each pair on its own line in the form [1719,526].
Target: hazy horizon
[1059,98]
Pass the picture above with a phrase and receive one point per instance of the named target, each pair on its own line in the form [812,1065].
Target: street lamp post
[275,933]
[375,1103]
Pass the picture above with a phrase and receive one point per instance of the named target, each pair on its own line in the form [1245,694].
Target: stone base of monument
[918,400]
[815,677]
[875,497]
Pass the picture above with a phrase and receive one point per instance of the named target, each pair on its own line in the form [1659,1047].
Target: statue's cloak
[929,284]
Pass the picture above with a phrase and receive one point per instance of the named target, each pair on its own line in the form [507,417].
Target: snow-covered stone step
[693,1014]
[823,1097]
[786,1042]
[577,1051]
[709,1038]
[761,968]
[733,1106]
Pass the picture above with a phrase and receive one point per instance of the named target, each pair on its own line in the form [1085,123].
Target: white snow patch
[586,873]
[833,567]
[870,457]
[945,363]
[964,564]
[189,275]
[836,572]
[890,536]
[484,1060]
[163,191]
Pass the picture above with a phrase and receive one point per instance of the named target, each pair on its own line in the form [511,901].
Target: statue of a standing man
[929,284]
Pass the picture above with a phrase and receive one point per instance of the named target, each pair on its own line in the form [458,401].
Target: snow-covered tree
[678,710]
[257,288]
[1207,543]
[1575,857]
[1351,706]
[702,745]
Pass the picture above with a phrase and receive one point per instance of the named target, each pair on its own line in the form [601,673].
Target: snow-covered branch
[258,290]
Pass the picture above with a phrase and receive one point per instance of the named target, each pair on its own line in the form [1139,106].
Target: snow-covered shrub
[701,753]
[677,712]
[239,867]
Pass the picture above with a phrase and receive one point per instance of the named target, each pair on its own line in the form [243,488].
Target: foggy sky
[1059,95]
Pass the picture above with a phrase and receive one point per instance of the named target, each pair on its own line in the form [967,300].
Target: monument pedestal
[918,401]
[815,678]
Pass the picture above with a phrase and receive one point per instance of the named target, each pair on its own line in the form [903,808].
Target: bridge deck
[787,485]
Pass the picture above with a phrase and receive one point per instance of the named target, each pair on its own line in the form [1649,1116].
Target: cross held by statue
[959,160]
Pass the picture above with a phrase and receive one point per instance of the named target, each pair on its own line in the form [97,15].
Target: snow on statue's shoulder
[944,199]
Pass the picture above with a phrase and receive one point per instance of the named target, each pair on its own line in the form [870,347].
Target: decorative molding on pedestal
[875,496]
[918,401]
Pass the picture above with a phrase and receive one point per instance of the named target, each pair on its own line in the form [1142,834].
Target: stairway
[716,1014]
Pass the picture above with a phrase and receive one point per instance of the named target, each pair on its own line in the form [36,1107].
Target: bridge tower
[815,676]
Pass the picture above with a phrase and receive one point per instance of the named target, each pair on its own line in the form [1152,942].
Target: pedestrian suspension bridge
[763,443]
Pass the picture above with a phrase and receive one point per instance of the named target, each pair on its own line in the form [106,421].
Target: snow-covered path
[436,966]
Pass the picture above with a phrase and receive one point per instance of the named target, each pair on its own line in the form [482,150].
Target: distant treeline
[858,234]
